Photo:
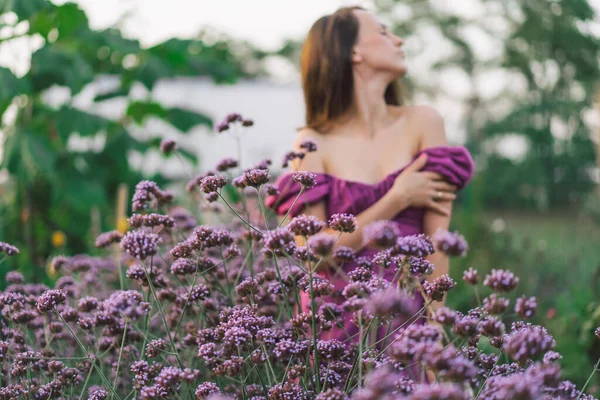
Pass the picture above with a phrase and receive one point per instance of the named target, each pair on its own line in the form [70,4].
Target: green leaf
[25,9]
[51,66]
[11,86]
[37,154]
[69,120]
[184,120]
[151,69]
[139,111]
[119,92]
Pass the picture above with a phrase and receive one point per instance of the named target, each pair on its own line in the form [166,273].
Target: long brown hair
[326,69]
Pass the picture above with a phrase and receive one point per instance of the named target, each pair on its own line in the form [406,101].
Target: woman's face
[376,47]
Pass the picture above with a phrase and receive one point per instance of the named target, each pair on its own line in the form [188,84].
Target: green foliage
[552,62]
[54,188]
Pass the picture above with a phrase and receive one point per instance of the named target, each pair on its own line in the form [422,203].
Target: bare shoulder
[313,161]
[428,124]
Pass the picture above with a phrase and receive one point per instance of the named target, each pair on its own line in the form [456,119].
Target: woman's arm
[385,208]
[434,134]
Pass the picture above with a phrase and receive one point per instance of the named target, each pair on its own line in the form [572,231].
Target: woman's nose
[397,40]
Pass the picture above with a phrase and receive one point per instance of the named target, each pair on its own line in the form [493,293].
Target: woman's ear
[356,57]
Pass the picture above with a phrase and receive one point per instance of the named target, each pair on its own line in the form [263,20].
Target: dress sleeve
[453,162]
[288,191]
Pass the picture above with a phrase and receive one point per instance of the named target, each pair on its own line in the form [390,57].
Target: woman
[375,158]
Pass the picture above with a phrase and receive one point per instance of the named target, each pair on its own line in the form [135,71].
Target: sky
[264,22]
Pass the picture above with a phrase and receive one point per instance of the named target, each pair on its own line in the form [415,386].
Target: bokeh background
[88,90]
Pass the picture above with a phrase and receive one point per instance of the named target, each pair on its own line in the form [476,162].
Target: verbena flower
[345,223]
[381,234]
[321,244]
[168,145]
[108,238]
[470,276]
[526,307]
[140,244]
[494,304]
[256,177]
[528,342]
[501,280]
[8,249]
[50,300]
[439,287]
[306,179]
[450,243]
[413,245]
[305,225]
[309,145]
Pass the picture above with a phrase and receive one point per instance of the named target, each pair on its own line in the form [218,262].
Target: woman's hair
[326,69]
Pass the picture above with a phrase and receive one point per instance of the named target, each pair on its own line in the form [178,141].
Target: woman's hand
[422,189]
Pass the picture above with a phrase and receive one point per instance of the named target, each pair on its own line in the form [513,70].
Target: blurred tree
[529,70]
[53,189]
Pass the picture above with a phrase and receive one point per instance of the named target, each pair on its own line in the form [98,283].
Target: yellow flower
[50,270]
[58,239]
[122,225]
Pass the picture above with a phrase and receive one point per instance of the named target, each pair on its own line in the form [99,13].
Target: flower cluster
[240,309]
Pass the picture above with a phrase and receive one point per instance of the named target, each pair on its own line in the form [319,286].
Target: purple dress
[454,163]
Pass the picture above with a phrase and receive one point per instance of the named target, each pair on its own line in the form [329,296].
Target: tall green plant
[51,187]
[548,59]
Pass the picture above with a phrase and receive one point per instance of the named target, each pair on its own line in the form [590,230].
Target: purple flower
[470,276]
[97,393]
[438,288]
[413,342]
[226,164]
[167,145]
[418,266]
[528,342]
[551,357]
[381,234]
[8,249]
[305,225]
[413,245]
[491,326]
[107,238]
[494,304]
[309,145]
[466,326]
[445,316]
[526,307]
[49,300]
[389,303]
[146,192]
[515,386]
[279,241]
[256,177]
[343,223]
[501,280]
[151,220]
[439,391]
[14,277]
[140,244]
[343,254]
[291,156]
[127,303]
[305,178]
[321,244]
[183,266]
[450,243]
[597,332]
[449,363]
[206,389]
[213,183]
